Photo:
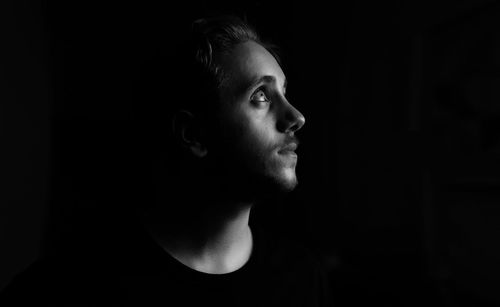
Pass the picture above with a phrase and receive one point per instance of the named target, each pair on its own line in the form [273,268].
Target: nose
[290,119]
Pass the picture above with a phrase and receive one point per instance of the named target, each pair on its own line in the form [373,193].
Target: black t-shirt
[138,272]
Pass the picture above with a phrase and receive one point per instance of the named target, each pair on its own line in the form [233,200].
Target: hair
[216,37]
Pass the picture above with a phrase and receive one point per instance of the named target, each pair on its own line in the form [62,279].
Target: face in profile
[257,123]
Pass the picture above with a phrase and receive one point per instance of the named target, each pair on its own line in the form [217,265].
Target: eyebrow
[263,79]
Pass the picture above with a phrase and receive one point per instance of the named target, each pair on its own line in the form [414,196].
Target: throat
[217,246]
[221,259]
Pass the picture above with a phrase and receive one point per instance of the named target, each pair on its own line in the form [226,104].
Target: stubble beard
[256,182]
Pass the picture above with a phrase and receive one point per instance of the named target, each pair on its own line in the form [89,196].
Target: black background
[398,170]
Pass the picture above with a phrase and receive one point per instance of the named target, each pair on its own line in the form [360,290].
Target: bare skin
[217,248]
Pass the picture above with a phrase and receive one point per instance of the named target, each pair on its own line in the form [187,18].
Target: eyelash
[260,89]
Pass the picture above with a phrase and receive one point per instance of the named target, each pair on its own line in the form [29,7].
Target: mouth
[289,154]
[289,149]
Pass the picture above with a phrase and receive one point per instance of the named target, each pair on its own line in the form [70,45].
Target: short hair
[216,37]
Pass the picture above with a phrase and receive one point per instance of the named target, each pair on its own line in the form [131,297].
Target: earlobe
[199,151]
[187,132]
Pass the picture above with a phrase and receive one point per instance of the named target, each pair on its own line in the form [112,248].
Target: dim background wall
[25,134]
[398,163]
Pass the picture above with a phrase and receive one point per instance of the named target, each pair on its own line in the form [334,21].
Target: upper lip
[289,147]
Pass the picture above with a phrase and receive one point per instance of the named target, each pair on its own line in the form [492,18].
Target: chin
[288,186]
[274,180]
[284,183]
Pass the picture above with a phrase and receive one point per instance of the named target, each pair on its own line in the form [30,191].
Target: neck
[212,238]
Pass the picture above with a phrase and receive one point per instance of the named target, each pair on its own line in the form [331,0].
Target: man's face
[257,123]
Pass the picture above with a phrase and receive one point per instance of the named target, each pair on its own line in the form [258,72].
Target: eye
[259,98]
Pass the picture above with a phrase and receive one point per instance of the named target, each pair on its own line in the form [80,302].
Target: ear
[188,131]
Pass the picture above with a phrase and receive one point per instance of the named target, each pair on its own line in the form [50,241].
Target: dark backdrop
[398,164]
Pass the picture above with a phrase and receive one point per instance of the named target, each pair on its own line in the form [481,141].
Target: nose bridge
[291,118]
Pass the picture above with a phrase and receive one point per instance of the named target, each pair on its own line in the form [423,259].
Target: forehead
[249,61]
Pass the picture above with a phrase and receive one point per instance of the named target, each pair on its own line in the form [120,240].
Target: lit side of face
[257,122]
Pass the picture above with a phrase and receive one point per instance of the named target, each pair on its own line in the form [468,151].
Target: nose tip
[301,120]
[297,120]
[289,118]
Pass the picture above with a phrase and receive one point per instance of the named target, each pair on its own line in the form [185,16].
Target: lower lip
[288,153]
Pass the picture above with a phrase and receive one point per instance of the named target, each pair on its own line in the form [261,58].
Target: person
[226,136]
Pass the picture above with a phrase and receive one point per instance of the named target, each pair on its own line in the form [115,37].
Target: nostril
[298,121]
[301,120]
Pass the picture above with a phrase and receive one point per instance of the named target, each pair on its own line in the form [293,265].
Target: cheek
[259,135]
[250,136]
